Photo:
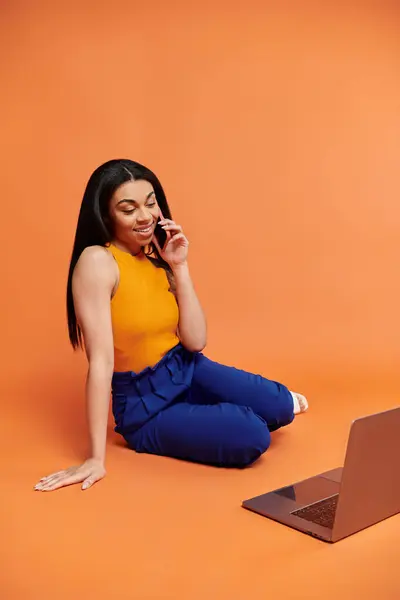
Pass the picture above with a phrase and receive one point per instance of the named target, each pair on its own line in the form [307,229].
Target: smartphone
[160,234]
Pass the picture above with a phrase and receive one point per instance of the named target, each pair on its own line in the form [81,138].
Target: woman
[132,305]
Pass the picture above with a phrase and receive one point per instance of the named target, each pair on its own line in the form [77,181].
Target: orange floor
[159,528]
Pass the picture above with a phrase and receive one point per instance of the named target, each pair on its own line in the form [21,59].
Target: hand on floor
[89,472]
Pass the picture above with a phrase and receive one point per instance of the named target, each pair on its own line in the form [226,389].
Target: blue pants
[192,408]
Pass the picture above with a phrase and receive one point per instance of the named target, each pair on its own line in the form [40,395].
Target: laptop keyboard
[321,513]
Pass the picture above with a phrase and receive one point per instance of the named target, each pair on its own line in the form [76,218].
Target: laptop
[343,501]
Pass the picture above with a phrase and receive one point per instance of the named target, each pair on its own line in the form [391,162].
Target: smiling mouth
[144,229]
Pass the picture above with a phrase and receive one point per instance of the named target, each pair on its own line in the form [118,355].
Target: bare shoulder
[95,256]
[96,265]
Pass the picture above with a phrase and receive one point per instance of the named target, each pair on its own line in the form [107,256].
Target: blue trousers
[192,408]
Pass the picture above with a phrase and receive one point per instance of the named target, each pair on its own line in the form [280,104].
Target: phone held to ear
[160,234]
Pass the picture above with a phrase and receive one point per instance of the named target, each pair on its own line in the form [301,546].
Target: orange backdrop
[274,128]
[275,133]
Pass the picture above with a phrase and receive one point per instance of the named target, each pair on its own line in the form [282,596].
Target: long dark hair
[94,227]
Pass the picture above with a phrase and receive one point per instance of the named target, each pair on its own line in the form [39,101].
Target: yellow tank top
[144,313]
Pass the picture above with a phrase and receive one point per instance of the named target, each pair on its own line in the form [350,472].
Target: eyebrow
[135,201]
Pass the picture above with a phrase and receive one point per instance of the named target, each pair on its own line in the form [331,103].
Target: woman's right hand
[87,473]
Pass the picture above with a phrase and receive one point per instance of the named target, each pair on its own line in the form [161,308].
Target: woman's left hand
[176,247]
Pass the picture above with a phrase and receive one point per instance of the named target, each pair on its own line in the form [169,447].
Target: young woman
[132,305]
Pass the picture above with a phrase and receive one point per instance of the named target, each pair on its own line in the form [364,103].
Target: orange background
[274,128]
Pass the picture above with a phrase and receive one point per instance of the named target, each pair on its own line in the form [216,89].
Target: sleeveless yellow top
[144,313]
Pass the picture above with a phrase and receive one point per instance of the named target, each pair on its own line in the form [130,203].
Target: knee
[250,442]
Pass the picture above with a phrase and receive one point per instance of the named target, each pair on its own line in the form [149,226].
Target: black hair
[95,229]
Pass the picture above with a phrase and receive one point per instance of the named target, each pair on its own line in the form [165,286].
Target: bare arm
[94,278]
[92,284]
[192,327]
[192,322]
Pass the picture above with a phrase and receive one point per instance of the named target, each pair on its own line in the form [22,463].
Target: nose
[144,217]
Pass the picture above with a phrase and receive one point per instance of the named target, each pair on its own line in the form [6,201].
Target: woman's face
[134,212]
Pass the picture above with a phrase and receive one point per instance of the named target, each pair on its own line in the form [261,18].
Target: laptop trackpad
[309,490]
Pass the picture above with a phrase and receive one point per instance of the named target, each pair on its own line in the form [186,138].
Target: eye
[151,204]
[128,212]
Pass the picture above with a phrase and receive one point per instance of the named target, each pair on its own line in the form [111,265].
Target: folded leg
[223,434]
[213,383]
